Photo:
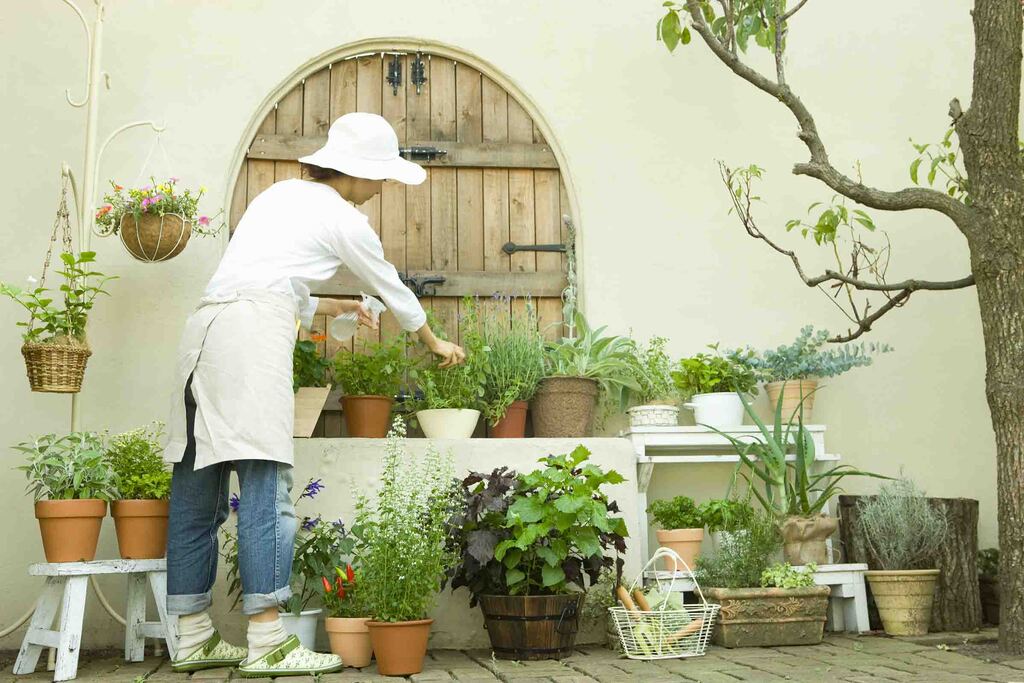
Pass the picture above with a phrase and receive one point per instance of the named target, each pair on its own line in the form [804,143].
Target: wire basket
[665,633]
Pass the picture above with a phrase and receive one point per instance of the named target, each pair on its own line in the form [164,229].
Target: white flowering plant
[399,538]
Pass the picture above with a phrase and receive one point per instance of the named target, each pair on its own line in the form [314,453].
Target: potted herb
[657,398]
[725,516]
[527,545]
[54,344]
[310,382]
[713,383]
[347,619]
[903,531]
[988,584]
[371,377]
[71,481]
[515,366]
[577,370]
[154,221]
[452,397]
[144,488]
[682,530]
[793,370]
[399,547]
[763,604]
[317,553]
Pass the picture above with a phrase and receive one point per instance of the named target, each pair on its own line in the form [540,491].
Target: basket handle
[667,552]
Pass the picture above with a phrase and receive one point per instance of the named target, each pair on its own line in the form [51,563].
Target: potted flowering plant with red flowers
[154,221]
[347,618]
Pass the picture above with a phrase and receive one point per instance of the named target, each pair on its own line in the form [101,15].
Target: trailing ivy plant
[139,470]
[719,371]
[539,533]
[805,359]
[676,513]
[309,368]
[70,467]
[375,369]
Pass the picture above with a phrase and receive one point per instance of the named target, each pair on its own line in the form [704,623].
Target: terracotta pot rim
[792,382]
[76,507]
[894,573]
[378,397]
[385,624]
[691,533]
[140,507]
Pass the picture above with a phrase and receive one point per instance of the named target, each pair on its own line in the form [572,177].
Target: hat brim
[402,170]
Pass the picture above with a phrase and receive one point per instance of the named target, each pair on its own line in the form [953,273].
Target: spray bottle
[344,327]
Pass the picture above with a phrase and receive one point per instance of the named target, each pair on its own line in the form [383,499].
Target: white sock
[193,631]
[265,636]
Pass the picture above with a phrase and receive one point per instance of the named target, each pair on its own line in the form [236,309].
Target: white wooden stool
[66,587]
[848,604]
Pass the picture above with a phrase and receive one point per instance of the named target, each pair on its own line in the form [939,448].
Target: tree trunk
[957,605]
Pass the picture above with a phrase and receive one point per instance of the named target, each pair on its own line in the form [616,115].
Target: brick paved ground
[839,658]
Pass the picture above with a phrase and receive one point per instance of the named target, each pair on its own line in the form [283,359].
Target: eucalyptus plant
[591,354]
[70,467]
[805,358]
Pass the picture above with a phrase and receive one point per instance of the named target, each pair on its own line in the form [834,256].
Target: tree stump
[957,604]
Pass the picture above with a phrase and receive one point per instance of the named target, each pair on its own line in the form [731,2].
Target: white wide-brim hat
[365,146]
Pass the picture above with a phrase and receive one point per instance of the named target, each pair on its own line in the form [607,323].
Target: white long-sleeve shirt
[298,232]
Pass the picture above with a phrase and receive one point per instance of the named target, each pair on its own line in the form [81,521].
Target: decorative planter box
[769,617]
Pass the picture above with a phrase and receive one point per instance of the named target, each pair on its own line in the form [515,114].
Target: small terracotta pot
[904,599]
[367,417]
[564,407]
[513,424]
[686,543]
[792,391]
[141,528]
[401,646]
[70,528]
[803,538]
[350,640]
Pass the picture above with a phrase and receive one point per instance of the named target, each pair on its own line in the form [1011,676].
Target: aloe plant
[787,486]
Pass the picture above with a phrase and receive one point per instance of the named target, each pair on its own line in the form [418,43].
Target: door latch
[511,247]
[419,72]
[424,285]
[421,153]
[395,73]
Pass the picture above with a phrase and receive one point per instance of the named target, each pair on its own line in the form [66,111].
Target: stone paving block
[570,678]
[715,677]
[431,675]
[474,675]
[881,672]
[1014,664]
[874,644]
[604,673]
[221,674]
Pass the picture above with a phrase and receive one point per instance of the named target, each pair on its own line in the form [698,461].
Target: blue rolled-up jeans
[199,506]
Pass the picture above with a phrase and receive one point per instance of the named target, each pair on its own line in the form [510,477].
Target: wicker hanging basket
[154,238]
[56,368]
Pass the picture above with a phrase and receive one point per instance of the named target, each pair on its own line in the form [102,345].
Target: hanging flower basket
[56,367]
[150,237]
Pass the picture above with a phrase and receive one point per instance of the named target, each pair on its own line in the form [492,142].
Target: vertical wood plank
[135,617]
[548,217]
[261,173]
[343,88]
[417,197]
[316,103]
[443,188]
[393,195]
[469,181]
[522,220]
[369,84]
[495,181]
[289,122]
[239,198]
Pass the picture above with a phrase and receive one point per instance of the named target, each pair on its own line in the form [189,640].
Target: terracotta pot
[769,617]
[367,417]
[512,425]
[803,538]
[154,238]
[531,627]
[564,407]
[792,391]
[401,646]
[141,528]
[904,599]
[448,423]
[686,543]
[350,640]
[70,528]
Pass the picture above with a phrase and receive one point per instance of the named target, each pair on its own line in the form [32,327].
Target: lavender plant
[515,354]
[902,529]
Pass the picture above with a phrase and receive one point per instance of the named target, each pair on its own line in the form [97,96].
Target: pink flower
[173,179]
[147,188]
[204,220]
[158,198]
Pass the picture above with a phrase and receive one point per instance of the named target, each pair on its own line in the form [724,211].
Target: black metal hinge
[421,153]
[424,285]
[511,247]
[395,73]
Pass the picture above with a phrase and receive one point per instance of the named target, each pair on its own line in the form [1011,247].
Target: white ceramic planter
[448,423]
[303,626]
[654,416]
[722,410]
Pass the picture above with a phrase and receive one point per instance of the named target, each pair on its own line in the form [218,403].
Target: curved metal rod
[88,66]
[66,172]
[99,157]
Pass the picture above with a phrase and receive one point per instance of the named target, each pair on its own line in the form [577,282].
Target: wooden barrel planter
[531,627]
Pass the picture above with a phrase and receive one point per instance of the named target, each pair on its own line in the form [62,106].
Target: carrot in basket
[623,595]
[688,630]
[641,601]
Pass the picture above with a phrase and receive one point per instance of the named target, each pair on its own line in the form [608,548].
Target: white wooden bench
[66,587]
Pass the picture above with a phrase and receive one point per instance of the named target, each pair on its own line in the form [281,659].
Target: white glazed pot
[654,416]
[448,423]
[303,626]
[722,410]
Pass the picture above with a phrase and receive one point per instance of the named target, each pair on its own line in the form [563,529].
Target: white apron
[238,351]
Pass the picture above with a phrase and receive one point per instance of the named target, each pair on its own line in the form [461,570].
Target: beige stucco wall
[640,131]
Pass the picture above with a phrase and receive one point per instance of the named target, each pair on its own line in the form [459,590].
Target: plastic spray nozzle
[344,327]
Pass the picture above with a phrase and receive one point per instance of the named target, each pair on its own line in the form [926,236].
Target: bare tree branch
[819,165]
[785,17]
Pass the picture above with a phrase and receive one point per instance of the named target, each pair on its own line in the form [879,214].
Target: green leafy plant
[399,538]
[139,469]
[309,368]
[342,596]
[721,370]
[742,556]
[676,513]
[461,386]
[376,369]
[70,467]
[515,358]
[537,533]
[159,199]
[783,575]
[902,529]
[724,514]
[606,359]
[49,323]
[805,359]
[988,563]
[651,369]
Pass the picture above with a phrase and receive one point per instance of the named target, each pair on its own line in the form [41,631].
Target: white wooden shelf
[668,459]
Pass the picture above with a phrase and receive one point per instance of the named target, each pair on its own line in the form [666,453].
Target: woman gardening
[234,406]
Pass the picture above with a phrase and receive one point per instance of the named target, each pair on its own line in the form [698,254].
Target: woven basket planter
[56,368]
[154,238]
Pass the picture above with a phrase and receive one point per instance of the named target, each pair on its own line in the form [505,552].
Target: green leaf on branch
[914,166]
[552,576]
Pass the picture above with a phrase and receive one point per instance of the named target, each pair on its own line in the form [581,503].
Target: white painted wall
[640,130]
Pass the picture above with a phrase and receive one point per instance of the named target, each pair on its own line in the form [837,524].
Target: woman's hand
[353,306]
[450,354]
